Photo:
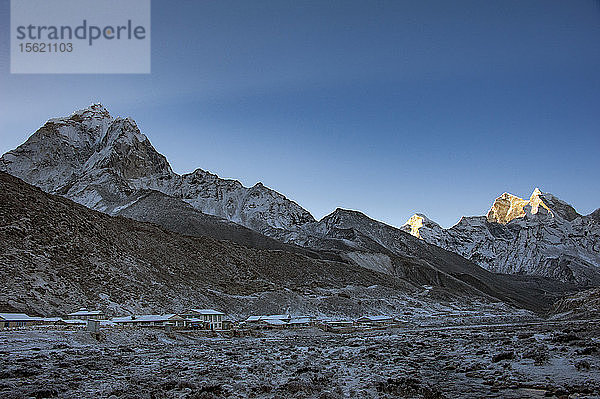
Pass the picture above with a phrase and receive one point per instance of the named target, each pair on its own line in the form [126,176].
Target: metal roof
[75,321]
[338,322]
[17,317]
[274,322]
[206,311]
[144,317]
[85,312]
[376,318]
[300,320]
[269,317]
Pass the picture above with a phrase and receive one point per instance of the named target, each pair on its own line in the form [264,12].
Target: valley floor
[509,361]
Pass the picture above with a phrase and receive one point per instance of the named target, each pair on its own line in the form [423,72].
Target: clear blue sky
[387,107]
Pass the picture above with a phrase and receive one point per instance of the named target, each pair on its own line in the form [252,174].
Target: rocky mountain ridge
[100,161]
[540,236]
[56,255]
[107,164]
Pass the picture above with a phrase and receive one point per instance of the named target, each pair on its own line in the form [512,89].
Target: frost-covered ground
[510,361]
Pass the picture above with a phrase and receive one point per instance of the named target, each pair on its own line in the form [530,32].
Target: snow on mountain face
[540,236]
[257,207]
[105,163]
[431,232]
[56,253]
[595,215]
[508,207]
[101,162]
[377,246]
[60,147]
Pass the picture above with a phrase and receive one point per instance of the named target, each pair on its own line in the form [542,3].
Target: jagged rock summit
[103,162]
[541,236]
[508,207]
[414,225]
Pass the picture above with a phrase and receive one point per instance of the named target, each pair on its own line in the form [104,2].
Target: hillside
[56,255]
[108,165]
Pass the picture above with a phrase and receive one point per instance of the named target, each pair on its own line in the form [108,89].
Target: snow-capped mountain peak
[95,111]
[93,121]
[56,151]
[508,207]
[414,224]
[101,162]
[542,235]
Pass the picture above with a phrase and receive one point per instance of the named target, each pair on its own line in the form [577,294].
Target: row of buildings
[208,319]
[287,321]
[205,319]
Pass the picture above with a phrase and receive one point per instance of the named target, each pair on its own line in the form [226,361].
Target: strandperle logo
[80,36]
[85,31]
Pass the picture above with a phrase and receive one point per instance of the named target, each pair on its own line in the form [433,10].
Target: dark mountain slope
[350,231]
[178,216]
[375,246]
[56,255]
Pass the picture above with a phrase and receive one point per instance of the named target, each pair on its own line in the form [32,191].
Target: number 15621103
[46,47]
